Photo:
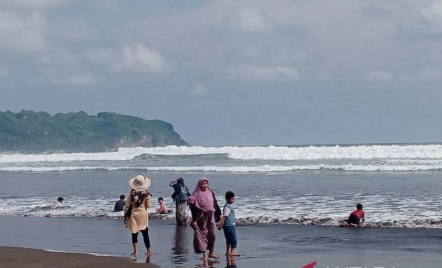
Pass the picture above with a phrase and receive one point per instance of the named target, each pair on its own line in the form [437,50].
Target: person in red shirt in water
[356,217]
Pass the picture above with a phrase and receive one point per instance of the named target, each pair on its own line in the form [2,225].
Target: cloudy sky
[233,72]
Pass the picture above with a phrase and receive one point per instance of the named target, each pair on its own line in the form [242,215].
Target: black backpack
[184,194]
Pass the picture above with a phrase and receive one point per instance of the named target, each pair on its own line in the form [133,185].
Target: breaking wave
[231,169]
[243,153]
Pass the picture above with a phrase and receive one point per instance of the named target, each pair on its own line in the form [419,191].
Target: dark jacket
[177,190]
[119,205]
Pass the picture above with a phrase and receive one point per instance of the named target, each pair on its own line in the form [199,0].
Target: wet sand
[261,245]
[11,257]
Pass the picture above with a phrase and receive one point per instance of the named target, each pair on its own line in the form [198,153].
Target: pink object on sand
[311,265]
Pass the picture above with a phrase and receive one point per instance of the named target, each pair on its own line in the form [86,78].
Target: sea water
[399,185]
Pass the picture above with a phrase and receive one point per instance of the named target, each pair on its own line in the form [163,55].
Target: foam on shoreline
[409,212]
[263,220]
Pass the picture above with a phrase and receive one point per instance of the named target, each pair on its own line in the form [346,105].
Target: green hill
[29,130]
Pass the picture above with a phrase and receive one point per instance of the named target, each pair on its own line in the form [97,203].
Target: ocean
[399,185]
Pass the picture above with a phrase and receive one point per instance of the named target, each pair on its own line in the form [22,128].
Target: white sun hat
[140,182]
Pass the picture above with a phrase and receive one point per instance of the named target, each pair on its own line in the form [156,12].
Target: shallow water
[261,245]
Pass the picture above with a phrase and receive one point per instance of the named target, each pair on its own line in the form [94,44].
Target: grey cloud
[78,80]
[22,32]
[30,4]
[378,76]
[59,57]
[259,73]
[103,55]
[131,58]
[142,59]
[433,12]
[228,72]
[72,31]
[58,66]
[4,71]
[430,74]
[251,19]
[200,90]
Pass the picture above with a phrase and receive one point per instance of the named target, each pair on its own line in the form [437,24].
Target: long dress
[180,205]
[205,232]
[180,214]
[139,217]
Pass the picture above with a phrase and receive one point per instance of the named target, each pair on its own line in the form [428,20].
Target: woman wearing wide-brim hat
[137,211]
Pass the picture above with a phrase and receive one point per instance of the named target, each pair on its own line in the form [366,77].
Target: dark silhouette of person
[119,205]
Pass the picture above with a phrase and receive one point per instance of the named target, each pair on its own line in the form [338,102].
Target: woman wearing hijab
[136,211]
[203,206]
[180,197]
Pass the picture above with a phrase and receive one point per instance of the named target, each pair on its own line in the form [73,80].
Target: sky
[233,72]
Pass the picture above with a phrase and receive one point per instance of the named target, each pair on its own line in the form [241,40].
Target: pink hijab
[203,199]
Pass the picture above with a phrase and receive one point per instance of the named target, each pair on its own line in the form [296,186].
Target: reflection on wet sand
[231,262]
[208,264]
[180,250]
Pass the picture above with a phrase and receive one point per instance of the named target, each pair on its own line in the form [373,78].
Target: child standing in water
[228,225]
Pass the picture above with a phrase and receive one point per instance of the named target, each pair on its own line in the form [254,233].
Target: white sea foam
[66,157]
[79,252]
[230,169]
[243,153]
[300,153]
[390,210]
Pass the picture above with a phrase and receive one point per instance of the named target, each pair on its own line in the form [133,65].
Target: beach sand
[261,245]
[11,257]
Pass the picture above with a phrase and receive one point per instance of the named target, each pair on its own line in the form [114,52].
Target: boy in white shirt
[58,204]
[228,225]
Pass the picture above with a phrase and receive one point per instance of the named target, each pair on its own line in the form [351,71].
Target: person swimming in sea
[357,217]
[162,209]
[58,204]
[119,205]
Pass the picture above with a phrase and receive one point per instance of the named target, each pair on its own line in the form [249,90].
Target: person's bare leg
[205,258]
[211,227]
[212,255]
[234,253]
[135,245]
[228,249]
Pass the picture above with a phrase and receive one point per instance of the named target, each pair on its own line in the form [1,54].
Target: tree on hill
[28,130]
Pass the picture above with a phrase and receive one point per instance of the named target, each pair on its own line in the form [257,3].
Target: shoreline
[266,246]
[17,257]
[265,221]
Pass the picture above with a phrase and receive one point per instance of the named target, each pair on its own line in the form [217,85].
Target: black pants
[145,238]
[353,219]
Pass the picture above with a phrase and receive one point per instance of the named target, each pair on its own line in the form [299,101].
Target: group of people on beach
[205,214]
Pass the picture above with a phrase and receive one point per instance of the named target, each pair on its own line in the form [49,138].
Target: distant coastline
[40,131]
